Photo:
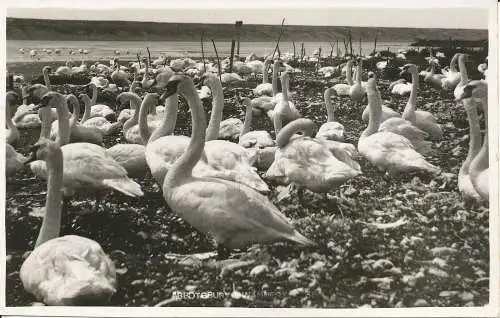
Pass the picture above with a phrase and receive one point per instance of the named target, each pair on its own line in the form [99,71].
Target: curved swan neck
[143,118]
[169,119]
[135,104]
[46,79]
[453,62]
[183,167]
[63,120]
[359,70]
[285,82]
[45,114]
[348,72]
[95,91]
[217,107]
[304,125]
[51,225]
[248,117]
[25,94]
[76,110]
[275,79]
[87,110]
[265,79]
[481,161]
[375,110]
[412,101]
[474,133]
[464,78]
[330,110]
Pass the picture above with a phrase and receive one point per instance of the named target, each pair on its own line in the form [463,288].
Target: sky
[310,12]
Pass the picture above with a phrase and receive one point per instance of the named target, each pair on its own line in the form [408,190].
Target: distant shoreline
[73,30]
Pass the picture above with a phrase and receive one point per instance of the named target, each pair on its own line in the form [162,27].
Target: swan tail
[301,239]
[125,186]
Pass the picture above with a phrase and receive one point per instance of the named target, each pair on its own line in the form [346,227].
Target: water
[129,49]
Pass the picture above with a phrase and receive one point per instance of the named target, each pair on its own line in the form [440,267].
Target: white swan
[260,140]
[38,90]
[77,132]
[307,161]
[265,88]
[101,123]
[25,116]
[436,80]
[420,118]
[87,166]
[284,109]
[388,151]
[14,161]
[479,167]
[130,128]
[464,78]
[331,130]
[234,214]
[452,75]
[263,104]
[406,128]
[400,87]
[69,270]
[100,110]
[227,129]
[12,133]
[464,178]
[357,91]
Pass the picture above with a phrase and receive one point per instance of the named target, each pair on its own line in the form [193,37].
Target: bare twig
[203,52]
[375,43]
[218,60]
[293,49]
[279,38]
[139,60]
[360,45]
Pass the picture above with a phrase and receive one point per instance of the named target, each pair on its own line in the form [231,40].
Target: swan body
[230,128]
[387,113]
[234,214]
[436,80]
[388,151]
[132,157]
[284,109]
[330,130]
[230,78]
[307,161]
[463,77]
[14,161]
[69,270]
[400,87]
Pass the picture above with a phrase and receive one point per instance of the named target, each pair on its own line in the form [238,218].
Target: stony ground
[386,243]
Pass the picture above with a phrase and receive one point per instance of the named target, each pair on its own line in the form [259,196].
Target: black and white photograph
[268,156]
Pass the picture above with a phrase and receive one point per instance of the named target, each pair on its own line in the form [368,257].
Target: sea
[128,50]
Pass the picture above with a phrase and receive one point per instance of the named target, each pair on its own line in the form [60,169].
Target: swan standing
[357,91]
[234,214]
[284,109]
[67,270]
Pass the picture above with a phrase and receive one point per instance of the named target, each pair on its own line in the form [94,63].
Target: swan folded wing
[331,130]
[238,217]
[404,128]
[61,270]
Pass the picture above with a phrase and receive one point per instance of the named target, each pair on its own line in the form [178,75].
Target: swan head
[51,98]
[46,70]
[172,86]
[475,89]
[44,149]
[408,68]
